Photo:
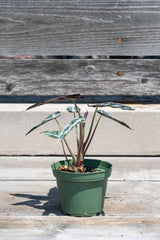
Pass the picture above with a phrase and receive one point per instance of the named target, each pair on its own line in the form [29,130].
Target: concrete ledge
[110,139]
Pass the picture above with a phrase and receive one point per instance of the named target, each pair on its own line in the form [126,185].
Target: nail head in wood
[120,74]
[120,40]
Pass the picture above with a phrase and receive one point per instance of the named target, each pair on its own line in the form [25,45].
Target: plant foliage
[47,119]
[70,126]
[83,142]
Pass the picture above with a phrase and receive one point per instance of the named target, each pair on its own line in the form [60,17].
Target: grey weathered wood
[38,168]
[88,77]
[80,27]
[67,228]
[30,208]
[101,221]
[37,198]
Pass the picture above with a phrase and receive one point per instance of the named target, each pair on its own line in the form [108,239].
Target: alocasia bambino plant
[79,123]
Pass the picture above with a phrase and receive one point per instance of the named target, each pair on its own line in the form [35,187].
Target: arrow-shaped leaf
[111,104]
[58,99]
[70,126]
[52,134]
[105,114]
[47,119]
[72,109]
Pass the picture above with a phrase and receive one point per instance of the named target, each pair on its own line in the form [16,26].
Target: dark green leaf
[111,104]
[47,119]
[72,109]
[105,114]
[58,99]
[52,134]
[70,126]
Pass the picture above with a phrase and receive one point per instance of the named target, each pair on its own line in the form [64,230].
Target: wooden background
[116,49]
[80,28]
[104,50]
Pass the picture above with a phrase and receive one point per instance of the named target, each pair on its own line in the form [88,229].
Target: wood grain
[80,27]
[38,168]
[38,227]
[139,77]
[30,208]
[40,198]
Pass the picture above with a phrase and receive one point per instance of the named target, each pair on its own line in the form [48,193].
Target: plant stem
[80,155]
[73,156]
[66,156]
[76,107]
[80,149]
[85,150]
[74,114]
[90,130]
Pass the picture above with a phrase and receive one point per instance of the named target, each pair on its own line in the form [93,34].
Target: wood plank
[140,77]
[40,198]
[24,228]
[38,168]
[65,228]
[80,27]
[29,221]
[31,211]
[117,140]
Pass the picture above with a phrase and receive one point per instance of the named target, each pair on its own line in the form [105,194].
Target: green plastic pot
[82,194]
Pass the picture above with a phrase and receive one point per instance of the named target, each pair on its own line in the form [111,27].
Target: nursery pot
[82,194]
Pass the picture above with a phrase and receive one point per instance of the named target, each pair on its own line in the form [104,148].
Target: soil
[83,169]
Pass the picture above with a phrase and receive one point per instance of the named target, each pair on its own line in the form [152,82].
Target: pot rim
[104,171]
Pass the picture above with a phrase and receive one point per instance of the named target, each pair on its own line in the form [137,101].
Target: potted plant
[81,182]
